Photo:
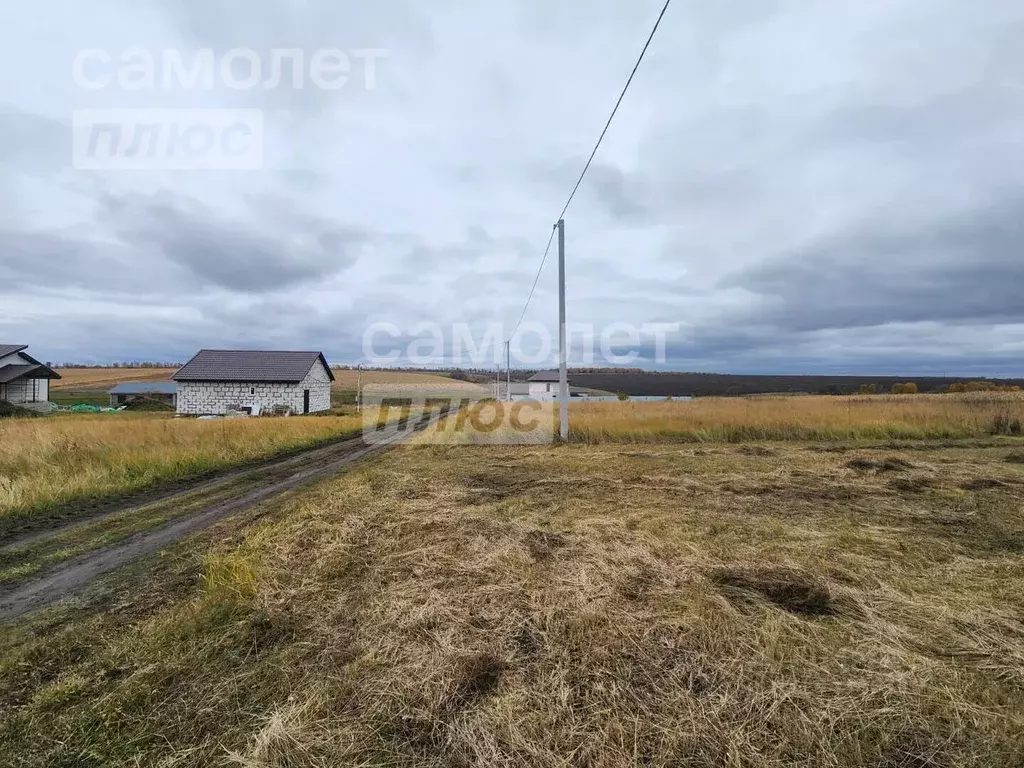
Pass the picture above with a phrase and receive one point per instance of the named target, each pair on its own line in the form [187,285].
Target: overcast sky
[831,186]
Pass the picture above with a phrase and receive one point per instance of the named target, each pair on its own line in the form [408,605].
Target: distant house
[161,391]
[518,390]
[543,385]
[216,381]
[24,380]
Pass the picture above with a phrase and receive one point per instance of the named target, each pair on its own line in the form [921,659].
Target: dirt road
[226,495]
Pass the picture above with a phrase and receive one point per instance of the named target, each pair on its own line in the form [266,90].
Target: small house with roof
[216,381]
[24,381]
[161,391]
[543,385]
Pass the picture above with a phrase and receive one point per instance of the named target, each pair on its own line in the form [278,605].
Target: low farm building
[216,381]
[24,381]
[544,385]
[162,391]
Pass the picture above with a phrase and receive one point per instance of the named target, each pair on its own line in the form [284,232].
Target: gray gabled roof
[145,388]
[250,365]
[32,369]
[9,373]
[10,349]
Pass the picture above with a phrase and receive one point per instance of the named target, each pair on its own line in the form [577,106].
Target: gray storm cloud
[801,187]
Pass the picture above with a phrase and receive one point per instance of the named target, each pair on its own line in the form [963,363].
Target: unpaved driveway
[71,576]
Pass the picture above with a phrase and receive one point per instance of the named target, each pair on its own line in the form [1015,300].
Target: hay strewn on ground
[712,605]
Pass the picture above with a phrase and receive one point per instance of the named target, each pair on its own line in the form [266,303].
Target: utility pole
[508,370]
[359,387]
[563,376]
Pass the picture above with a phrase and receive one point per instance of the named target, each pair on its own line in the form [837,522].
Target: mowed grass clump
[899,417]
[60,459]
[569,606]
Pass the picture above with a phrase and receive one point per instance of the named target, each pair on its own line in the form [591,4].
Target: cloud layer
[800,187]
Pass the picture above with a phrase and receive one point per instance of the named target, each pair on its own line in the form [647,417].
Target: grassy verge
[50,468]
[88,397]
[711,605]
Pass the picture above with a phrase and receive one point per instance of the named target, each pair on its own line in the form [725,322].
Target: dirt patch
[476,676]
[756,450]
[801,490]
[914,749]
[638,583]
[12,411]
[788,588]
[543,544]
[917,484]
[485,487]
[982,484]
[889,464]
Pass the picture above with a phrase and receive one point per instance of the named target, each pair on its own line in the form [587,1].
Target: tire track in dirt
[160,498]
[177,493]
[70,577]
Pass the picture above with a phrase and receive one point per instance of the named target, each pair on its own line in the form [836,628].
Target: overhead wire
[590,160]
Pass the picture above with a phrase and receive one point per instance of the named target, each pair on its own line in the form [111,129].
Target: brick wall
[203,398]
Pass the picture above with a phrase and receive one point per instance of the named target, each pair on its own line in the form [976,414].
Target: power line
[535,279]
[593,154]
[616,108]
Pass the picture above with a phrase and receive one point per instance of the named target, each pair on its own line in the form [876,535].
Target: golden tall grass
[58,459]
[347,380]
[797,418]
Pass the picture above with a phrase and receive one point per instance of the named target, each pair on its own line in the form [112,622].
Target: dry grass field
[875,417]
[798,604]
[766,583]
[85,379]
[347,380]
[59,460]
[104,378]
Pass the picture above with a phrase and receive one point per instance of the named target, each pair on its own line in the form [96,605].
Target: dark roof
[145,388]
[6,371]
[250,365]
[34,371]
[10,349]
[543,376]
[12,372]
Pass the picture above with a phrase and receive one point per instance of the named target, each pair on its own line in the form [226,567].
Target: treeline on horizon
[650,383]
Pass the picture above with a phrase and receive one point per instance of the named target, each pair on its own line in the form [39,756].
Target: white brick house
[24,380]
[544,385]
[216,380]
